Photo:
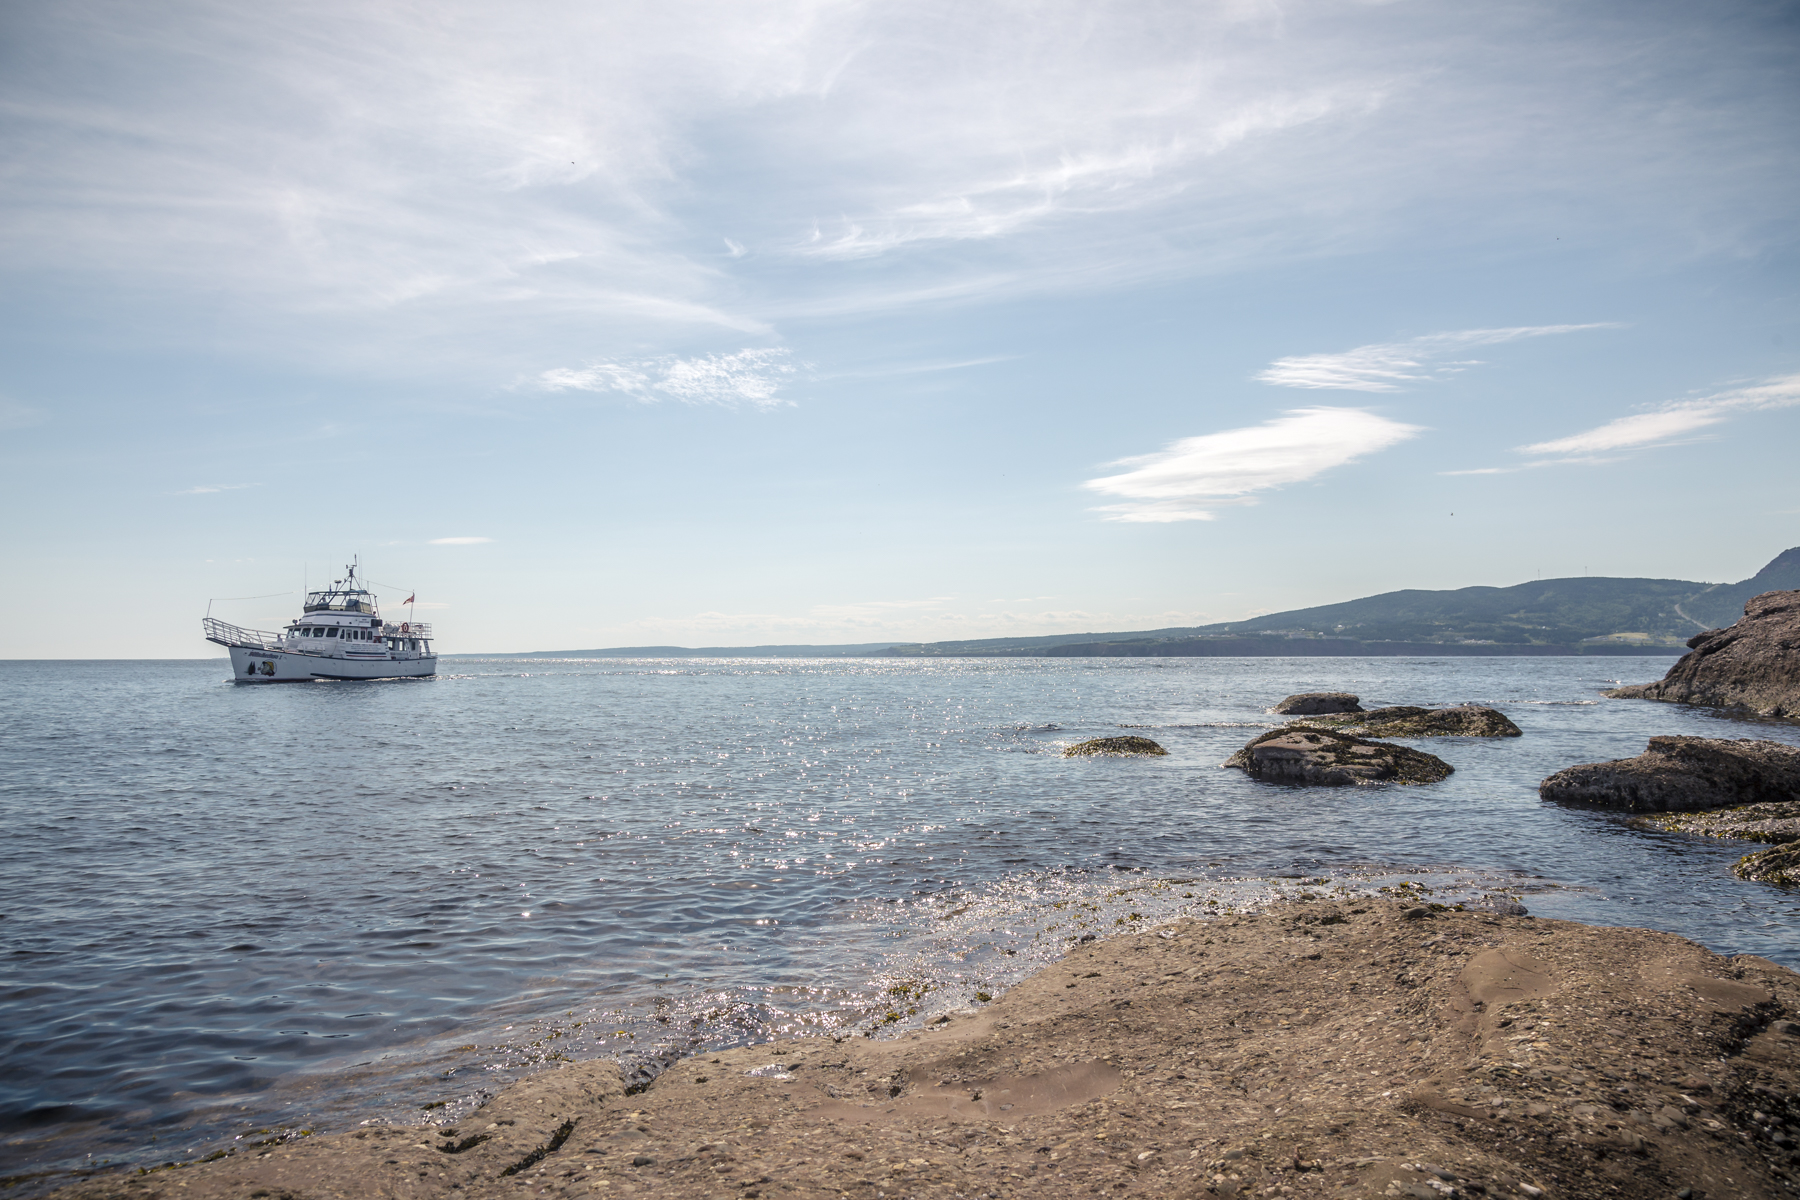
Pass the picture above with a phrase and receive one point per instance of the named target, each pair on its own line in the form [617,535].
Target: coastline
[1325,1048]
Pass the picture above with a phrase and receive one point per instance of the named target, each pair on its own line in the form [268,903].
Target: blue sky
[724,323]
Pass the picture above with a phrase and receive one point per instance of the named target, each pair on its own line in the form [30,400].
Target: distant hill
[1589,615]
[848,650]
[1579,615]
[1723,603]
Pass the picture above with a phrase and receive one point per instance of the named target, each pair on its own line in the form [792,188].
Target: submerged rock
[1307,704]
[1114,745]
[1754,664]
[1406,721]
[1780,865]
[1327,758]
[1774,823]
[1683,774]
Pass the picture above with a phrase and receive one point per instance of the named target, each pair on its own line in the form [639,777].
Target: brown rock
[1311,703]
[1326,758]
[1683,774]
[1754,664]
[1773,823]
[1780,865]
[1319,1047]
[1114,745]
[1405,721]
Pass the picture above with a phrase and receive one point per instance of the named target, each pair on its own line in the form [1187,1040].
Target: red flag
[409,599]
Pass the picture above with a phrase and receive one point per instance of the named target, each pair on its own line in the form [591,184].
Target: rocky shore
[1301,754]
[1683,774]
[1754,664]
[1409,721]
[1341,1048]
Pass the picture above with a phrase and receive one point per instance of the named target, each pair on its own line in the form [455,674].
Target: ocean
[236,913]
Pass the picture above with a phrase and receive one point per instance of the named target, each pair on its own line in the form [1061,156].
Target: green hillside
[1723,604]
[1548,612]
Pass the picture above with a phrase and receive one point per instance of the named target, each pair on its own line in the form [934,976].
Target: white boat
[339,635]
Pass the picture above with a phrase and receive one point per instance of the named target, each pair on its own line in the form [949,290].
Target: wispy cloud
[459,541]
[1116,174]
[752,377]
[206,489]
[1190,478]
[501,189]
[1388,366]
[1674,420]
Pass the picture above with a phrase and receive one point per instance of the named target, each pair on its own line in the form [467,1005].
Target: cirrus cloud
[1386,366]
[459,541]
[1189,478]
[751,376]
[1673,420]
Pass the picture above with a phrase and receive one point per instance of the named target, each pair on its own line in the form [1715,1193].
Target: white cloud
[750,377]
[499,186]
[459,541]
[1190,478]
[206,489]
[1674,420]
[1385,367]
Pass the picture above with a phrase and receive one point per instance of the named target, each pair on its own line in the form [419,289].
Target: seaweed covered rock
[1779,865]
[1327,758]
[1308,704]
[1464,720]
[1407,721]
[1773,823]
[1114,745]
[1683,774]
[1754,664]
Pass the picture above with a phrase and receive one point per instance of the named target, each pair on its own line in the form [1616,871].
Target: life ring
[405,627]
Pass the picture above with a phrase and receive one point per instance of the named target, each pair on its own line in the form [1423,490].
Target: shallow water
[232,909]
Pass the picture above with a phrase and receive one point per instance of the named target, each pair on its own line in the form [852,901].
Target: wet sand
[1322,1049]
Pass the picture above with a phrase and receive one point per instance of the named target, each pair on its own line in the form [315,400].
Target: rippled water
[241,911]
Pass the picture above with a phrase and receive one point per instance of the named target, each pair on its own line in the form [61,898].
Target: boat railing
[418,629]
[226,634]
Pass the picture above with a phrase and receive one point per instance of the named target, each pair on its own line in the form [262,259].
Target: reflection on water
[235,909]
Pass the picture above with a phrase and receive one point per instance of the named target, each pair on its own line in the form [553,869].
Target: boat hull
[285,666]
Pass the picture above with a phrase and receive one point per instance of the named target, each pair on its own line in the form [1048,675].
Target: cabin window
[331,632]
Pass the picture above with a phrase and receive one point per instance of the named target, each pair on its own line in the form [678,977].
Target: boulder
[1779,865]
[1683,774]
[1114,745]
[1406,721]
[1754,664]
[1326,758]
[1307,704]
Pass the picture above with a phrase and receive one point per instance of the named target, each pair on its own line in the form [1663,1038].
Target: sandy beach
[1330,1048]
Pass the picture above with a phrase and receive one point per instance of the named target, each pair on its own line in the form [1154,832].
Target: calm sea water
[236,912]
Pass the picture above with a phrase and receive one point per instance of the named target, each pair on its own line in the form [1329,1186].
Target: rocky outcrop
[1308,704]
[1773,823]
[1779,865]
[1327,758]
[1114,745]
[1494,1064]
[1683,774]
[1754,664]
[1406,721]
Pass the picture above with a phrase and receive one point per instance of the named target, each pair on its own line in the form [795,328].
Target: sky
[818,321]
